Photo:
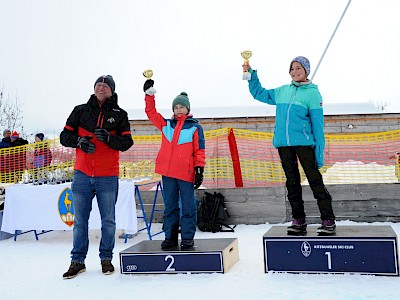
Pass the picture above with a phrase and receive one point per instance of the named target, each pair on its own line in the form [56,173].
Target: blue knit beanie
[303,61]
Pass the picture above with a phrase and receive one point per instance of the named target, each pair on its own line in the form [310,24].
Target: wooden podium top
[348,231]
[201,245]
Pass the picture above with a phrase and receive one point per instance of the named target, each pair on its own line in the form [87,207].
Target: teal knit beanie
[181,99]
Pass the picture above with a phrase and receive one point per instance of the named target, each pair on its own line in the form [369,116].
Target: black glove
[198,176]
[148,84]
[86,145]
[102,134]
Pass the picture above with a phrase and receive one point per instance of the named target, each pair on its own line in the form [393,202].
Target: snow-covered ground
[357,172]
[33,269]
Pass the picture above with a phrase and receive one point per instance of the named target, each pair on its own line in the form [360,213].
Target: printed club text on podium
[354,249]
[208,256]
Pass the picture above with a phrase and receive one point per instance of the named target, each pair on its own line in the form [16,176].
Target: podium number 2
[169,268]
[328,254]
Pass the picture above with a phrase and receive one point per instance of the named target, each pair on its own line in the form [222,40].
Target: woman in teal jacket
[299,136]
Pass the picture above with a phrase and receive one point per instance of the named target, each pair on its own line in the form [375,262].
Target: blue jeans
[84,188]
[176,191]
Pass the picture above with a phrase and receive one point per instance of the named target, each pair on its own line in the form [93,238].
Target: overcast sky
[53,51]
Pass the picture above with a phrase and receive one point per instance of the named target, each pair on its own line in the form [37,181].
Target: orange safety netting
[235,158]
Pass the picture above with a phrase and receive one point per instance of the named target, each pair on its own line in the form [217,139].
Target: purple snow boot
[298,227]
[328,227]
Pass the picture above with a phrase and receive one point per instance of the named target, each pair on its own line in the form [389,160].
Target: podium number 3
[328,254]
[172,260]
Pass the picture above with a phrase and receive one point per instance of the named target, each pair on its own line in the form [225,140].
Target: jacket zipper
[287,116]
[175,138]
[100,121]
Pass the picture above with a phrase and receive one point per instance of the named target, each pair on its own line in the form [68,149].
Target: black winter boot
[107,267]
[74,269]
[168,244]
[171,243]
[187,244]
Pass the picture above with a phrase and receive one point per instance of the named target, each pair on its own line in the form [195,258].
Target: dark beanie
[107,79]
[40,136]
[181,99]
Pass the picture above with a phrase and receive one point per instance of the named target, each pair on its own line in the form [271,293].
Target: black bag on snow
[211,213]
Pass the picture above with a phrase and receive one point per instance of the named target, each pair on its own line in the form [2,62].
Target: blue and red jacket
[82,122]
[182,145]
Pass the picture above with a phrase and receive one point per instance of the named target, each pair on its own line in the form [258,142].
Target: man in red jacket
[180,161]
[98,129]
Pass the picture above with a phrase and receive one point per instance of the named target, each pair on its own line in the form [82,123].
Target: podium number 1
[328,254]
[169,268]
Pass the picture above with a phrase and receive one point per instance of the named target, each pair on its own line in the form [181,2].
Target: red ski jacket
[82,122]
[182,145]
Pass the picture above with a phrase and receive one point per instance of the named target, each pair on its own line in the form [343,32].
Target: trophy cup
[246,55]
[148,85]
[25,177]
[60,176]
[69,174]
[148,73]
[50,178]
[40,179]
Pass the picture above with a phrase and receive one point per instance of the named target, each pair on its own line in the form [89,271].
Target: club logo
[111,120]
[66,207]
[305,249]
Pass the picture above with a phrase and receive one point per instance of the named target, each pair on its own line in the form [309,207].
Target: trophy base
[246,76]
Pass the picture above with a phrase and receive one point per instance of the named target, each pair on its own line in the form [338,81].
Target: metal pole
[330,40]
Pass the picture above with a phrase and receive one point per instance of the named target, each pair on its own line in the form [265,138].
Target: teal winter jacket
[299,114]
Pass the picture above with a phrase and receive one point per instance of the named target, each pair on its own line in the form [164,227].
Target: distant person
[6,141]
[42,155]
[98,129]
[181,162]
[16,140]
[16,159]
[5,157]
[299,136]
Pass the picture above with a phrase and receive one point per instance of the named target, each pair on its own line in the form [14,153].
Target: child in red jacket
[180,161]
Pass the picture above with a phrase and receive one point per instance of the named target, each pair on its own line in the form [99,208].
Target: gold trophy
[246,55]
[148,73]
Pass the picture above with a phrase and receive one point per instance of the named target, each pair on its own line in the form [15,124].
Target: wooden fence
[258,205]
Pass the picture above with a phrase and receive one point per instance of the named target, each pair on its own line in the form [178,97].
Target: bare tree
[381,105]
[11,114]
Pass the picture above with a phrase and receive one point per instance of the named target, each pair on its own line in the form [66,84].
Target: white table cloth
[43,207]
